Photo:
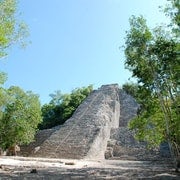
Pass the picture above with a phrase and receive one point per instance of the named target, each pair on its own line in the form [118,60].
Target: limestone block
[108,153]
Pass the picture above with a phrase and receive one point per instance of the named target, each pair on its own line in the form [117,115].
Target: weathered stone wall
[86,133]
[122,144]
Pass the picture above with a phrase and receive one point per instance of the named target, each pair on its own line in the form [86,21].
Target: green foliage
[11,29]
[172,10]
[20,114]
[149,125]
[62,106]
[131,88]
[153,58]
[3,78]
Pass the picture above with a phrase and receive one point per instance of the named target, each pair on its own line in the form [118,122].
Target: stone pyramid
[97,130]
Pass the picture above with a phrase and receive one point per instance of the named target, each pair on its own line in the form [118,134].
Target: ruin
[97,130]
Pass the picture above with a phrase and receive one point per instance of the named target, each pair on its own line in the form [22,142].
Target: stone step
[85,134]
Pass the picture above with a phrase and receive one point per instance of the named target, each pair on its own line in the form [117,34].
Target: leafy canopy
[62,106]
[152,55]
[20,114]
[12,30]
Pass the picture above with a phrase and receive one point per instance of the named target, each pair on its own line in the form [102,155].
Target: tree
[153,58]
[172,10]
[3,95]
[131,88]
[12,30]
[62,106]
[20,112]
[20,115]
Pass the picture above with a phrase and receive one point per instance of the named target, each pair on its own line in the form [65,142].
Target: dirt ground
[18,168]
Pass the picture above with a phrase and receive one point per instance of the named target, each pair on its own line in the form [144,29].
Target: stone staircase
[40,137]
[86,133]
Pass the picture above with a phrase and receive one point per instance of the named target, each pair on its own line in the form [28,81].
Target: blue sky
[75,43]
